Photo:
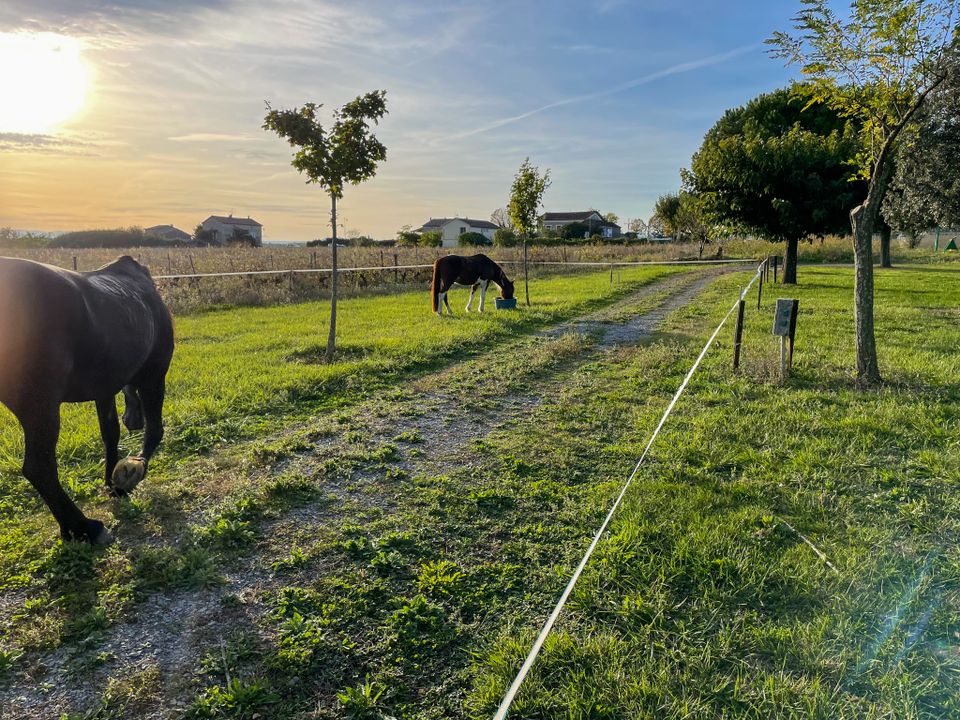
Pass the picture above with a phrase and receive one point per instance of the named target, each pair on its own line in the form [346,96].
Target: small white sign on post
[783,325]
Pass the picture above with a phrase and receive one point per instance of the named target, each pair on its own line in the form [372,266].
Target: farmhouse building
[594,221]
[452,228]
[168,233]
[226,229]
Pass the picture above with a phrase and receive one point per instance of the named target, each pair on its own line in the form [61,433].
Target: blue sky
[613,96]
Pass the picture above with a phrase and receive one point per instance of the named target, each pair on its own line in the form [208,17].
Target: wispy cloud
[40,143]
[622,87]
[212,137]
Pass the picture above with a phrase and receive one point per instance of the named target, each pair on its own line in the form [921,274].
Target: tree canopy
[925,189]
[526,195]
[348,153]
[780,168]
[877,65]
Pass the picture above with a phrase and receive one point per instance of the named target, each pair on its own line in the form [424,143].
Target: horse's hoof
[128,473]
[94,532]
[99,537]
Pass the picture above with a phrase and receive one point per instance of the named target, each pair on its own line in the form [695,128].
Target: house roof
[167,231]
[231,220]
[435,223]
[569,216]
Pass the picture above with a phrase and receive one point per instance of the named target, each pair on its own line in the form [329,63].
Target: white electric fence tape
[501,713]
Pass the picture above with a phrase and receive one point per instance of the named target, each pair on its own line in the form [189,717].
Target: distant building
[452,228]
[168,233]
[224,230]
[594,221]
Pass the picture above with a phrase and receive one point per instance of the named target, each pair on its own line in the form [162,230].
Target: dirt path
[427,427]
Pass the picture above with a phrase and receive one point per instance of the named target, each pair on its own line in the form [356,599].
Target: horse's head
[506,288]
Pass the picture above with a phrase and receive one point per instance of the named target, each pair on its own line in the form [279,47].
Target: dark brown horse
[77,337]
[476,271]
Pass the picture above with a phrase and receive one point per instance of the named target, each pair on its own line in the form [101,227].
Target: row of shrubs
[115,238]
[505,237]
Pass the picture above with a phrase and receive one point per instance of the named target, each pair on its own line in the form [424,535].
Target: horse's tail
[435,284]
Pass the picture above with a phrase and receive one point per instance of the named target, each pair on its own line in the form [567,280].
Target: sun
[43,81]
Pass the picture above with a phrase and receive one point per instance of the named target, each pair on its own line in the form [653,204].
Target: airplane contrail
[630,84]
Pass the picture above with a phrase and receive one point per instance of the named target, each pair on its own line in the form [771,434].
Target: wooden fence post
[74,262]
[776,260]
[793,332]
[396,273]
[738,334]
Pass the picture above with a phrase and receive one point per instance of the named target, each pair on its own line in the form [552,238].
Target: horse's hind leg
[109,433]
[41,430]
[131,472]
[483,293]
[473,289]
[152,397]
[132,409]
[446,301]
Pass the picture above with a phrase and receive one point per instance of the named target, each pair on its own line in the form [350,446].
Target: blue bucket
[510,304]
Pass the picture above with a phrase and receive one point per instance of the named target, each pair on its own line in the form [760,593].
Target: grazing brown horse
[476,271]
[77,337]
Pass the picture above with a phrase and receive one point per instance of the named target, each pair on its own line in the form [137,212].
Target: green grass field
[342,543]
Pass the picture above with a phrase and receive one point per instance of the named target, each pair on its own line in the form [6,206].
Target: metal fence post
[738,335]
[526,275]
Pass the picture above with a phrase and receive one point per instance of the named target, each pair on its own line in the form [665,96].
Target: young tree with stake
[347,153]
[878,67]
[526,195]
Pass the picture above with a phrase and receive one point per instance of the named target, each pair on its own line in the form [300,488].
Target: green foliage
[431,238]
[10,238]
[526,196]
[406,237]
[348,153]
[779,168]
[925,189]
[876,66]
[363,701]
[473,239]
[238,700]
[115,238]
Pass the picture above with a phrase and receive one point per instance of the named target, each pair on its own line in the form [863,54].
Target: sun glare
[43,81]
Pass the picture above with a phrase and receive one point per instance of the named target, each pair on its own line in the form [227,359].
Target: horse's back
[81,335]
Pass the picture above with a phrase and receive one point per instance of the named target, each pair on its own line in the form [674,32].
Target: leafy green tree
[925,189]
[612,217]
[877,66]
[431,238]
[666,212]
[473,239]
[504,237]
[348,153]
[779,168]
[406,237]
[526,196]
[575,231]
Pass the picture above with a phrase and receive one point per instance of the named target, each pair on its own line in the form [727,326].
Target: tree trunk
[885,233]
[790,263]
[861,221]
[332,337]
